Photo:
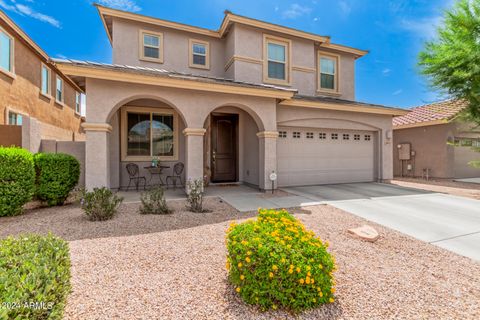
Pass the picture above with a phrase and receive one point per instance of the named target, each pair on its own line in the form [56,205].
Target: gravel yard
[69,222]
[456,188]
[173,267]
[180,274]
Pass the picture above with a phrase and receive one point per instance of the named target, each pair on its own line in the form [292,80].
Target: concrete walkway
[469,180]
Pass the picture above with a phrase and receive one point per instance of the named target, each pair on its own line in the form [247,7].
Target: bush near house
[57,175]
[153,202]
[17,180]
[273,262]
[100,204]
[34,277]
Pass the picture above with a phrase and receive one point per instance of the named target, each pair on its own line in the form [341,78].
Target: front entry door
[224,148]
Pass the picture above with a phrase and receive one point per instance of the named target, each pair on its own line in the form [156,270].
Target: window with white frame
[282,134]
[78,103]
[151,46]
[334,136]
[296,135]
[149,133]
[368,137]
[322,136]
[6,51]
[199,54]
[59,96]
[276,64]
[46,80]
[328,72]
[14,119]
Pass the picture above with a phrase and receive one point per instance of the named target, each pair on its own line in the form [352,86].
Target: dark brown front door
[224,148]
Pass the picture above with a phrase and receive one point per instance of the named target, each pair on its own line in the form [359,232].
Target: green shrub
[153,202]
[100,204]
[17,180]
[195,196]
[34,277]
[274,262]
[57,175]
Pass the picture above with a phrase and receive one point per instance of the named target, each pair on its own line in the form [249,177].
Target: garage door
[316,156]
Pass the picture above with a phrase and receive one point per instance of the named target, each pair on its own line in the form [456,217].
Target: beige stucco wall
[22,95]
[430,144]
[381,125]
[126,44]
[241,41]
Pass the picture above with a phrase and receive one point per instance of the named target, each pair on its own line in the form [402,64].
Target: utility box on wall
[404,151]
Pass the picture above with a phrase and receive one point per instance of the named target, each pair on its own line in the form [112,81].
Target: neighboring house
[34,95]
[439,140]
[234,104]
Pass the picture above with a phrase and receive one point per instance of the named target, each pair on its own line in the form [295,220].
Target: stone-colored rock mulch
[180,273]
[69,222]
[456,188]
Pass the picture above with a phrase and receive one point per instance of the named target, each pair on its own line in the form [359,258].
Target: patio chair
[176,174]
[134,175]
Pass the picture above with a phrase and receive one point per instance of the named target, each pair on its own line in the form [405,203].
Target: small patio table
[156,170]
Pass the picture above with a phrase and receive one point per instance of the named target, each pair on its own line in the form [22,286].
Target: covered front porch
[219,138]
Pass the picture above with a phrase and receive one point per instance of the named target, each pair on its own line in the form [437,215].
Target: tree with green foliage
[452,60]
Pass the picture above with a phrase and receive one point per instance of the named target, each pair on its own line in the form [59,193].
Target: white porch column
[267,158]
[97,164]
[194,153]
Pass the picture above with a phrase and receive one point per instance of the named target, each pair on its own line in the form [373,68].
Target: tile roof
[169,74]
[445,110]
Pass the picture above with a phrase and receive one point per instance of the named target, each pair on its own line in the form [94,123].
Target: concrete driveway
[447,221]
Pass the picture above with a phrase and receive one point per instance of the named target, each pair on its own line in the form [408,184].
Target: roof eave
[421,124]
[352,107]
[172,82]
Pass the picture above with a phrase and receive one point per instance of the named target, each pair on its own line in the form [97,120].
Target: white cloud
[315,19]
[345,8]
[386,71]
[126,5]
[25,10]
[295,10]
[425,27]
[277,8]
[397,92]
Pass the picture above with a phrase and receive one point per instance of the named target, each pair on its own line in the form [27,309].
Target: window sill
[147,158]
[8,73]
[151,59]
[277,82]
[199,66]
[329,93]
[46,96]
[60,103]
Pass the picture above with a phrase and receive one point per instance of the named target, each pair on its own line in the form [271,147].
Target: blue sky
[393,30]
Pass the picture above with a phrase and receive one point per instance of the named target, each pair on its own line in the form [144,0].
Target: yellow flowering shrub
[274,262]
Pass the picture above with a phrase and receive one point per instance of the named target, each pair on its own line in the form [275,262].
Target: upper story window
[14,119]
[327,72]
[59,90]
[151,46]
[78,102]
[6,51]
[276,60]
[199,54]
[46,80]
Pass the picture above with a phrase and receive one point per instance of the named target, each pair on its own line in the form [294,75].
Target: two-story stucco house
[37,101]
[233,104]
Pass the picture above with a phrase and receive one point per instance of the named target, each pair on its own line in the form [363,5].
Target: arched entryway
[144,129]
[231,145]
